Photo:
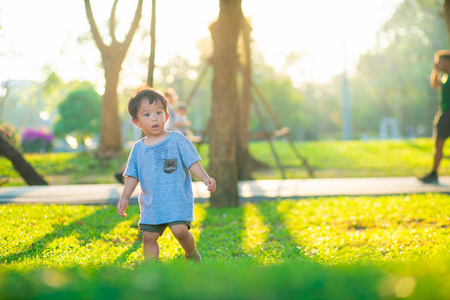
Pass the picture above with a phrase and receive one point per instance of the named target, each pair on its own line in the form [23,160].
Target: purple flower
[36,141]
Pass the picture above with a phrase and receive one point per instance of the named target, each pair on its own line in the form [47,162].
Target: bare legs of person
[438,153]
[432,177]
[151,246]
[181,233]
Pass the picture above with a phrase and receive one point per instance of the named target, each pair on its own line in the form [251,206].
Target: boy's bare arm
[130,186]
[198,171]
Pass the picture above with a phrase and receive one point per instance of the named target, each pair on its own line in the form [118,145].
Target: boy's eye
[146,115]
[159,113]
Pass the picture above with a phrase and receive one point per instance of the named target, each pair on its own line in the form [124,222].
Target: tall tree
[223,129]
[112,59]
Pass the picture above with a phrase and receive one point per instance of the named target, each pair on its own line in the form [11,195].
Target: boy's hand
[210,183]
[121,206]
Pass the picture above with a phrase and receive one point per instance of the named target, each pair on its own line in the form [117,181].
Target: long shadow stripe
[221,234]
[86,229]
[280,245]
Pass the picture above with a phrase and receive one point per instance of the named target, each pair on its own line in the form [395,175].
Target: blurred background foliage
[390,81]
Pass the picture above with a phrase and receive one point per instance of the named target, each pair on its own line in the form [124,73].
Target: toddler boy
[161,162]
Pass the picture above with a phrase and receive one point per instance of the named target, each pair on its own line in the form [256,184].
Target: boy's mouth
[155,127]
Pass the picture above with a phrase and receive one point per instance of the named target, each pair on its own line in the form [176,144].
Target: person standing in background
[439,80]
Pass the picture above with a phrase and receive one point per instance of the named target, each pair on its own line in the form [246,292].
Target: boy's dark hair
[143,93]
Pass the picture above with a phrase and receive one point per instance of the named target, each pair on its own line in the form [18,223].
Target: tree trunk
[26,171]
[244,157]
[110,135]
[112,58]
[223,130]
[246,163]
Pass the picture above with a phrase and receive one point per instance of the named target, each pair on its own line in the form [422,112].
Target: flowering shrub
[36,141]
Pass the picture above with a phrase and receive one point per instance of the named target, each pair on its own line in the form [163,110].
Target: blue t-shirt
[162,171]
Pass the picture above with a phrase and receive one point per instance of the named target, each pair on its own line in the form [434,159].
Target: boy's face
[151,118]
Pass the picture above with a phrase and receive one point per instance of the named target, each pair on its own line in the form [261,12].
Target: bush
[79,115]
[36,141]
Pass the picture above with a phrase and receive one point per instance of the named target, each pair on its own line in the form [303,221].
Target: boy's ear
[167,116]
[136,123]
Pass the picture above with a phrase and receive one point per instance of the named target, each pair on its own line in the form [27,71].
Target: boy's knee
[150,236]
[180,231]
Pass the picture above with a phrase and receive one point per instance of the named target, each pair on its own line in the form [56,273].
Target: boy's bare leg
[151,247]
[185,238]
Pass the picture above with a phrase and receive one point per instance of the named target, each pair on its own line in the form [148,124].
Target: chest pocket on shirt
[170,165]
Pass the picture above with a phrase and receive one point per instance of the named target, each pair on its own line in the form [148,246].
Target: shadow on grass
[280,245]
[87,228]
[221,234]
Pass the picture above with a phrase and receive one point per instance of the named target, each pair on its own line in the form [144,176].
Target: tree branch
[96,34]
[137,16]
[112,23]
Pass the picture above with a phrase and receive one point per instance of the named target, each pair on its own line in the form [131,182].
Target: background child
[172,100]
[181,123]
[161,162]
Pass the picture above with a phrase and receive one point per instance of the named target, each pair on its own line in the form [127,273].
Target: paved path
[248,190]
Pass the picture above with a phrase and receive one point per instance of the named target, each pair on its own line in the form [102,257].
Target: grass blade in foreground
[425,280]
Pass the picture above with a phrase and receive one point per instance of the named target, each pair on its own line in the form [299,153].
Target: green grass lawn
[333,159]
[326,248]
[330,159]
[321,248]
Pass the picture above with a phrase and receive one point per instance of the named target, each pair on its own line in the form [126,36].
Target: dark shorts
[161,227]
[442,125]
